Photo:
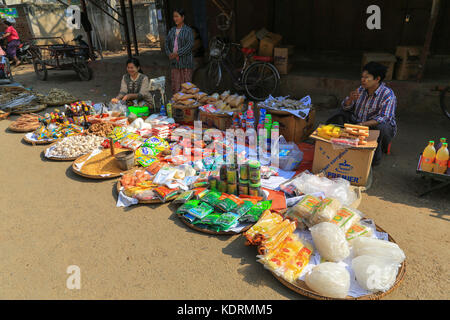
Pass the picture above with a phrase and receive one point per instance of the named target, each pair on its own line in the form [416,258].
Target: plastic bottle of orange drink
[428,156]
[441,159]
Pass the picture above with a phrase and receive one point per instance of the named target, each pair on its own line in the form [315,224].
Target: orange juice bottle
[428,157]
[441,159]
[439,145]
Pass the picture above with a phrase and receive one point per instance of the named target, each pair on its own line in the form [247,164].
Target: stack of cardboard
[263,41]
[409,65]
[281,58]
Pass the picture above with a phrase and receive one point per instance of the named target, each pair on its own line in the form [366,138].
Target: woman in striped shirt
[179,44]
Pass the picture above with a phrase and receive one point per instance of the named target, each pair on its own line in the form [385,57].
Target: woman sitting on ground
[135,86]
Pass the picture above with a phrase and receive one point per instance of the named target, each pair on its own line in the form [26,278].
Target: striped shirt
[379,107]
[185,44]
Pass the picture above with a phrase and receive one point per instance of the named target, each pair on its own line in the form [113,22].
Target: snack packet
[202,193]
[210,219]
[212,197]
[187,206]
[267,221]
[146,161]
[227,204]
[256,211]
[165,193]
[184,197]
[357,230]
[244,208]
[227,221]
[201,211]
[346,217]
[304,208]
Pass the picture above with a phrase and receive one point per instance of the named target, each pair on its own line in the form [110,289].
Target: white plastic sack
[329,279]
[375,273]
[378,248]
[330,241]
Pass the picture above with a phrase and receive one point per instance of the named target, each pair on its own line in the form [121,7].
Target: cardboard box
[250,41]
[293,128]
[406,70]
[219,121]
[352,164]
[281,55]
[268,44]
[284,68]
[406,52]
[386,59]
[184,114]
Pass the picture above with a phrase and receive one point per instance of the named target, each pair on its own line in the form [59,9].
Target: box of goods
[293,128]
[268,44]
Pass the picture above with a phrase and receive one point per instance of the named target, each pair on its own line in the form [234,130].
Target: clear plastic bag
[378,248]
[375,273]
[325,211]
[330,241]
[119,107]
[329,279]
[289,156]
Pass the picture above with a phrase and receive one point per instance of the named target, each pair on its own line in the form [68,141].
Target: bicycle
[258,77]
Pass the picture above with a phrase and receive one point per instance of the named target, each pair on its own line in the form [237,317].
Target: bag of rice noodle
[375,273]
[303,209]
[329,279]
[325,211]
[378,248]
[357,230]
[330,241]
[346,217]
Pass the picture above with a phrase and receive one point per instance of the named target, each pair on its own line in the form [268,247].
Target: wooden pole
[428,37]
[125,27]
[133,27]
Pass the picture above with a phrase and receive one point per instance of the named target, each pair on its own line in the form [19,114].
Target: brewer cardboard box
[386,59]
[352,164]
[250,41]
[219,121]
[293,128]
[268,43]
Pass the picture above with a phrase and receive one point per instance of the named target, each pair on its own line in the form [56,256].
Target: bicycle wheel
[445,102]
[83,71]
[40,69]
[260,80]
[214,75]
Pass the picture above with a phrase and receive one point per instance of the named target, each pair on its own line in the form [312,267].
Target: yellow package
[346,217]
[267,221]
[294,267]
[304,209]
[277,235]
[357,230]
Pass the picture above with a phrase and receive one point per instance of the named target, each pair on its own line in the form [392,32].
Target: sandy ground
[51,219]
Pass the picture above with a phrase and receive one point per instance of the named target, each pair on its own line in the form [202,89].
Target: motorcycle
[23,51]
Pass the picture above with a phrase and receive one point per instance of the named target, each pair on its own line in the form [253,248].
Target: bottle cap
[445,144]
[431,141]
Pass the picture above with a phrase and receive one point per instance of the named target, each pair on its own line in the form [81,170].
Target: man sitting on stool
[372,105]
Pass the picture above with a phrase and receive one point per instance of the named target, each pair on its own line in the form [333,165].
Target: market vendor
[373,105]
[135,86]
[12,37]
[179,44]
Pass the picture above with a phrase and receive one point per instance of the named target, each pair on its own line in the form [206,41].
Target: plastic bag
[378,248]
[289,156]
[267,221]
[119,107]
[325,211]
[164,175]
[346,217]
[304,209]
[358,230]
[375,273]
[329,279]
[330,241]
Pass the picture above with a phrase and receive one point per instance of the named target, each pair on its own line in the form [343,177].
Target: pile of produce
[101,129]
[74,146]
[25,123]
[58,97]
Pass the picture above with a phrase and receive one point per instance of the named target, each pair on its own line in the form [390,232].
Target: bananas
[329,131]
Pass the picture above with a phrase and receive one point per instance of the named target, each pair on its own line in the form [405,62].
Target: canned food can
[254,189]
[222,186]
[255,171]
[232,188]
[243,172]
[243,189]
[232,174]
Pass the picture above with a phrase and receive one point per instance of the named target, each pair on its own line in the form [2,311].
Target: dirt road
[52,219]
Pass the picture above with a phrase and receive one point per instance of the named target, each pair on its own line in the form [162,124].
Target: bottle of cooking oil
[441,159]
[428,156]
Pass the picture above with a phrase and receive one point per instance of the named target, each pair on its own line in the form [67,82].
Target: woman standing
[134,86]
[179,44]
[12,37]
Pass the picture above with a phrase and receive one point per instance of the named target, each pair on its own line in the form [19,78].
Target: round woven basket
[97,177]
[216,233]
[301,287]
[155,201]
[38,108]
[22,130]
[32,142]
[56,158]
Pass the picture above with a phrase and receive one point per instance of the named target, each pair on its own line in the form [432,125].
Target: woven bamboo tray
[301,287]
[32,142]
[225,233]
[96,177]
[38,108]
[155,201]
[18,130]
[5,115]
[56,158]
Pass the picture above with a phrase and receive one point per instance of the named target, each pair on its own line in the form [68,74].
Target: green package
[203,193]
[227,220]
[202,184]
[187,206]
[244,208]
[201,211]
[256,211]
[184,197]
[226,205]
[212,197]
[210,219]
